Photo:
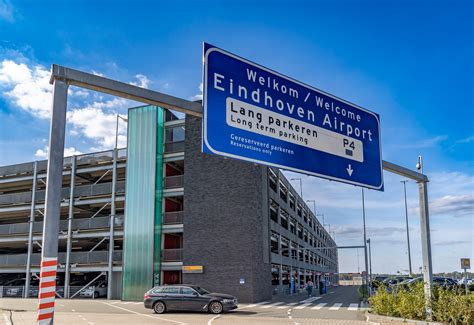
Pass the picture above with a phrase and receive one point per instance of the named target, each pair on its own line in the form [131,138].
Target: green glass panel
[158,195]
[140,202]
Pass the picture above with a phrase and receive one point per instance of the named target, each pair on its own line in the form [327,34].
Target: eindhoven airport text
[222,83]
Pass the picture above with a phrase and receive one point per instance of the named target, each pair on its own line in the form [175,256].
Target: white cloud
[198,96]
[43,153]
[6,11]
[27,87]
[426,143]
[454,205]
[466,140]
[143,81]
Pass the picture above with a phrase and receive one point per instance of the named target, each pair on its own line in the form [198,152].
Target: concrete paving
[339,306]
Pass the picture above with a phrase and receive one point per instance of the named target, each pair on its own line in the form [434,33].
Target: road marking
[257,304]
[272,305]
[335,306]
[213,318]
[353,307]
[127,302]
[73,310]
[319,306]
[144,315]
[310,299]
[303,305]
[138,303]
[7,320]
[287,305]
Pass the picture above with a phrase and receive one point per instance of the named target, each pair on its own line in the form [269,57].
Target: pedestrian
[309,287]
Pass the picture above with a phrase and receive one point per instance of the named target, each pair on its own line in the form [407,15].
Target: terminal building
[162,212]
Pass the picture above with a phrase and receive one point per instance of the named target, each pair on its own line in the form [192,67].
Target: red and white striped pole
[47,290]
[52,209]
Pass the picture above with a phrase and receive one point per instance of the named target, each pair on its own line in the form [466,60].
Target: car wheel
[215,307]
[96,295]
[159,307]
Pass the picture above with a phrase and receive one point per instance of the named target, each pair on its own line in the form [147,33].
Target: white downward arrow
[349,170]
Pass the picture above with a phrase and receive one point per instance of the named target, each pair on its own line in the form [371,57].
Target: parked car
[395,280]
[95,290]
[464,280]
[15,287]
[187,297]
[437,281]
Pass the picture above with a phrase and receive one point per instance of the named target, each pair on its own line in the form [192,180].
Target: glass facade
[143,210]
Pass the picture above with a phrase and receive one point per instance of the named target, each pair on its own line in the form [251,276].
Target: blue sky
[409,61]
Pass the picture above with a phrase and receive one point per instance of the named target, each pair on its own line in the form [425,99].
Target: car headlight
[227,301]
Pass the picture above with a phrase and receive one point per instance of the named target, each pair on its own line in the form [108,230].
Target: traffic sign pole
[49,254]
[426,244]
[61,76]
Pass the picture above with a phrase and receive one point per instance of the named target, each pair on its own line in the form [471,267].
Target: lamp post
[116,128]
[321,215]
[406,219]
[301,185]
[314,206]
[370,260]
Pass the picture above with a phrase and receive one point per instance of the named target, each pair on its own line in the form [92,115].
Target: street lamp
[406,219]
[321,215]
[314,206]
[370,260]
[301,185]
[116,128]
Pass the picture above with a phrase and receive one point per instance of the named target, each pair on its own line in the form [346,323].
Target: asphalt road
[339,306]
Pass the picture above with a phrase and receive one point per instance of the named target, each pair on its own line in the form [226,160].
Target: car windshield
[200,290]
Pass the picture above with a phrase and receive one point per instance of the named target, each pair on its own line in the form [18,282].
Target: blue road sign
[259,115]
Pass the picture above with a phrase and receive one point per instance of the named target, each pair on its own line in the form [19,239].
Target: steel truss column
[30,232]
[111,226]
[67,273]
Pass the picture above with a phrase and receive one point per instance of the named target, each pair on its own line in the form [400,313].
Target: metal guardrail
[172,218]
[76,257]
[171,147]
[174,181]
[172,255]
[82,292]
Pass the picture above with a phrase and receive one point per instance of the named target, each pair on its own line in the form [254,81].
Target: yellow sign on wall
[192,269]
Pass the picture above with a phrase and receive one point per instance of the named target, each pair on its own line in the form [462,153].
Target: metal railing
[172,255]
[171,147]
[172,218]
[174,181]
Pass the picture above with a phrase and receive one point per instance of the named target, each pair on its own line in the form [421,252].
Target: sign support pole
[426,244]
[49,254]
[61,77]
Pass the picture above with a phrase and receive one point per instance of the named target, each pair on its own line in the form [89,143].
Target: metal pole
[301,188]
[465,280]
[365,246]
[67,272]
[111,226]
[280,276]
[49,255]
[408,232]
[116,131]
[426,244]
[30,232]
[370,260]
